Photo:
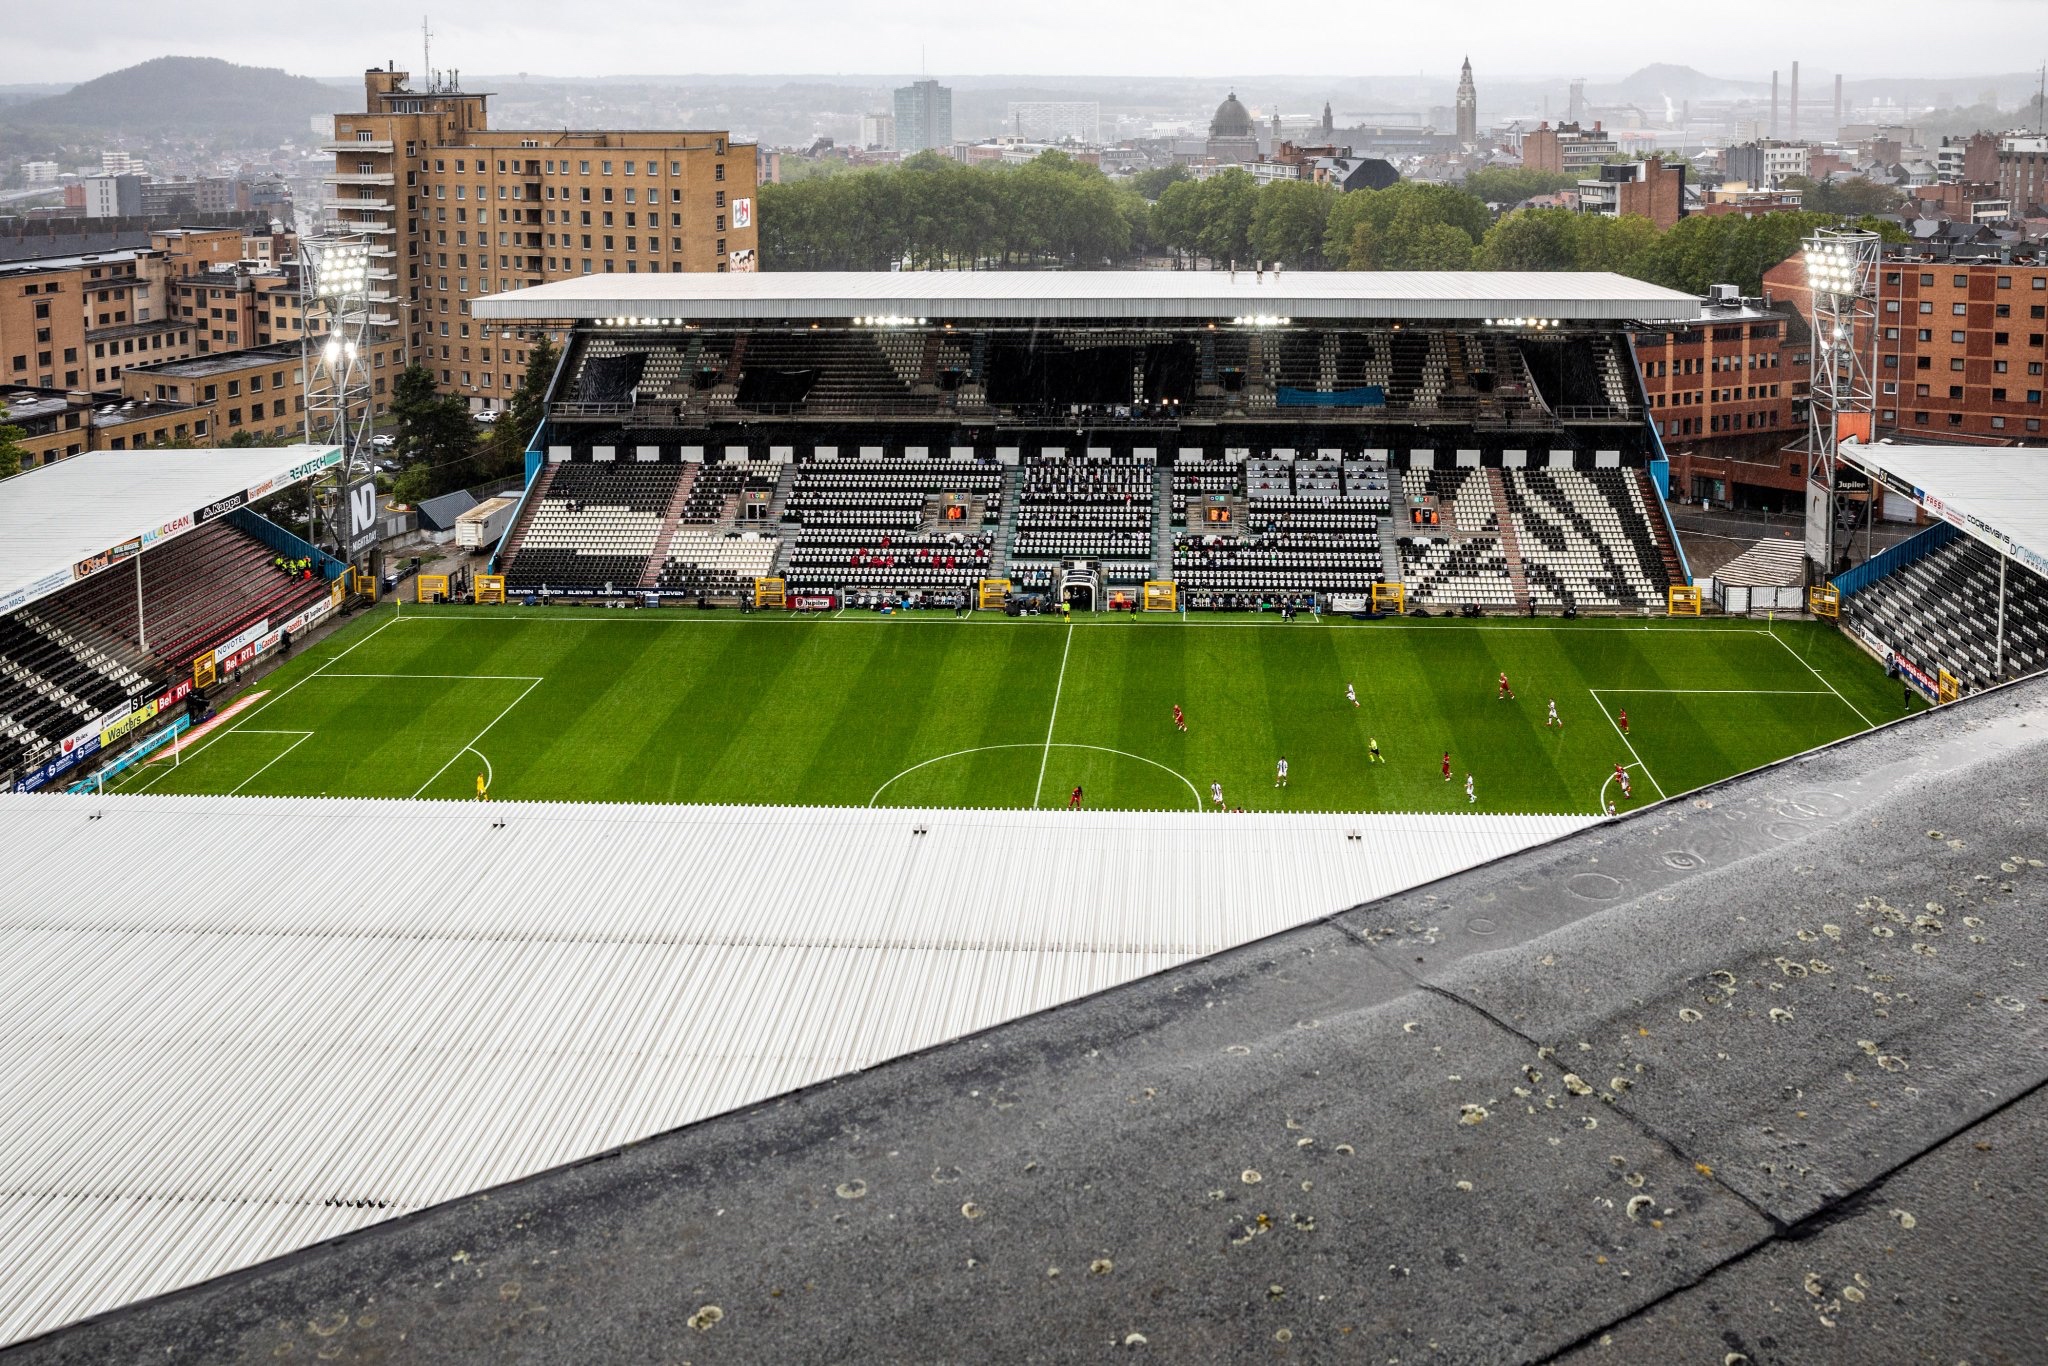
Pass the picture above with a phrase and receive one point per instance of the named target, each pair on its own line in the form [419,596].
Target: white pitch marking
[1053,720]
[478,736]
[1824,682]
[1631,747]
[1104,749]
[304,735]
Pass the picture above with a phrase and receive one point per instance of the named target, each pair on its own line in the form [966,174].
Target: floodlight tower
[1841,273]
[334,280]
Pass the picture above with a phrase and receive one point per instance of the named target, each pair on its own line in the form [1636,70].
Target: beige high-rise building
[457,210]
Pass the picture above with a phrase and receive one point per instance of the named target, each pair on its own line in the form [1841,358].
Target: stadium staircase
[663,539]
[509,550]
[1162,523]
[1509,544]
[1652,504]
[1013,491]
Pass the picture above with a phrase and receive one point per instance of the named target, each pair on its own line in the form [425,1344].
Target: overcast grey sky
[1735,38]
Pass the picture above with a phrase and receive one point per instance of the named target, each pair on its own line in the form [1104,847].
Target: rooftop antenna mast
[426,52]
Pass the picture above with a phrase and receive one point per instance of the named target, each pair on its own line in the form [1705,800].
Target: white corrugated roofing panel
[1052,296]
[233,1027]
[69,511]
[2000,493]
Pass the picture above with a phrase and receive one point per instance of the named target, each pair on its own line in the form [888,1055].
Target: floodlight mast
[1842,274]
[335,282]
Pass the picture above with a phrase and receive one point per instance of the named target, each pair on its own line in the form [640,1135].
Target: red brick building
[1729,399]
[1961,346]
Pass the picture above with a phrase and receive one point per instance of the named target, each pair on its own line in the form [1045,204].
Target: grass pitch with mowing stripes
[925,710]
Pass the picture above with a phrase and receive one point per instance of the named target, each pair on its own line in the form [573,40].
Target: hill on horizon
[181,95]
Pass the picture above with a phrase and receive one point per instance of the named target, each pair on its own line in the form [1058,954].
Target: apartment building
[1729,400]
[1568,149]
[60,424]
[1648,189]
[259,390]
[456,210]
[1961,346]
[2023,171]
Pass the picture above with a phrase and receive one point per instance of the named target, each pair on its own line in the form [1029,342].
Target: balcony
[344,148]
[364,205]
[377,178]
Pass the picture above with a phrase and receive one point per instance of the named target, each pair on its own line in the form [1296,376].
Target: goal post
[433,588]
[991,595]
[1390,597]
[490,588]
[771,592]
[1824,601]
[1682,601]
[1161,595]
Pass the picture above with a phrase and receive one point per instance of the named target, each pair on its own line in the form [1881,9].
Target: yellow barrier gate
[490,588]
[991,594]
[1390,597]
[1162,595]
[1681,601]
[771,593]
[433,588]
[366,584]
[1825,601]
[203,671]
[1947,687]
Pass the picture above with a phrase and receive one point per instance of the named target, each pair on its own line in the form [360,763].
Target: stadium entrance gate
[1080,585]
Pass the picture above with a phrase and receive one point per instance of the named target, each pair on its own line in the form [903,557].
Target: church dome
[1232,120]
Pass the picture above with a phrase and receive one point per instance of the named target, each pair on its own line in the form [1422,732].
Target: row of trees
[934,213]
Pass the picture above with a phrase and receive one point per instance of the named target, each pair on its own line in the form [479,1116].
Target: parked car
[486,417]
[388,466]
[383,441]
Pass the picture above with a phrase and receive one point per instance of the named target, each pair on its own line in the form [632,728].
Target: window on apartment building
[1923,362]
[586,195]
[1927,334]
[1955,391]
[582,168]
[676,168]
[2001,338]
[1962,281]
[586,265]
[1998,367]
[719,226]
[1955,363]
[718,173]
[1959,309]
[1955,336]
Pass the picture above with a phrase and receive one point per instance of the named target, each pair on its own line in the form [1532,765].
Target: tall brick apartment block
[458,210]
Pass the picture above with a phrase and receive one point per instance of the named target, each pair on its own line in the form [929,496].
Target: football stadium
[1026,816]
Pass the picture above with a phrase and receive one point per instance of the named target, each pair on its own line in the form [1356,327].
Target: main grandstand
[1474,441]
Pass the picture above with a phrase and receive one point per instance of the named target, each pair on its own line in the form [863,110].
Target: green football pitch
[925,710]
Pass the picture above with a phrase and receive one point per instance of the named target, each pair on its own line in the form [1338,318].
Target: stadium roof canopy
[1096,295]
[1760,1073]
[74,518]
[1997,494]
[234,1027]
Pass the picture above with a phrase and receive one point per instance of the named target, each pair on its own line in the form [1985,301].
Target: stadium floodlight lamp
[333,351]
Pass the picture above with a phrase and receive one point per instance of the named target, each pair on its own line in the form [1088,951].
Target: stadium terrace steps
[1518,576]
[516,537]
[657,565]
[1652,504]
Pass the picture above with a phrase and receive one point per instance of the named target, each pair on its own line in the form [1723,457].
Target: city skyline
[806,37]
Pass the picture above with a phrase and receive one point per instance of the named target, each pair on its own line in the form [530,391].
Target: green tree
[1616,244]
[1413,241]
[1532,239]
[1849,198]
[1288,220]
[1151,184]
[504,451]
[1413,204]
[11,451]
[434,431]
[1509,186]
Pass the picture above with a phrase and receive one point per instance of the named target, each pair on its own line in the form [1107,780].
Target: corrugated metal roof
[233,1027]
[54,517]
[2000,493]
[1099,294]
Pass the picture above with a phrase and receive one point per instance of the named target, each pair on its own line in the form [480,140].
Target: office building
[456,210]
[924,117]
